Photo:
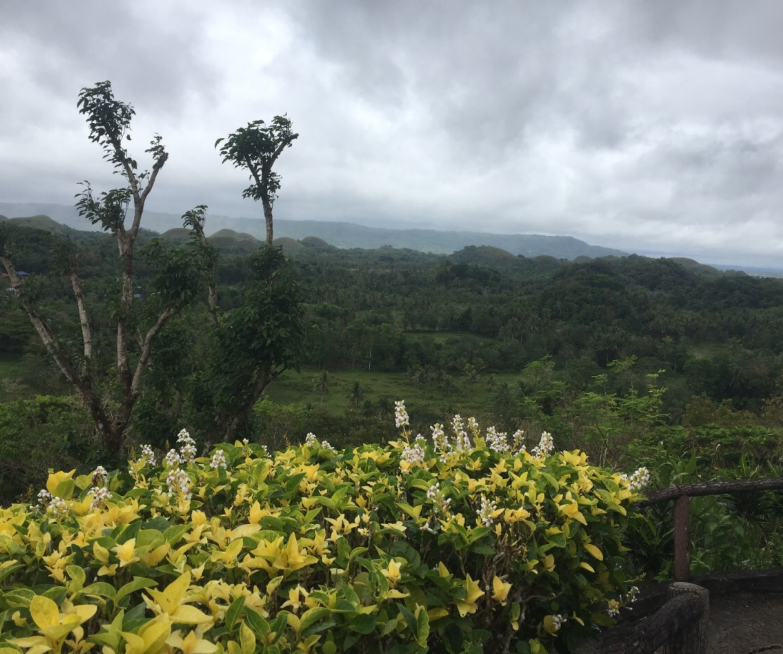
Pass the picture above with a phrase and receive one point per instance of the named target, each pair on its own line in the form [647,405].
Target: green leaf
[233,611]
[137,584]
[257,623]
[409,618]
[422,626]
[483,550]
[311,616]
[175,532]
[364,623]
[477,534]
[101,589]
[65,489]
[9,570]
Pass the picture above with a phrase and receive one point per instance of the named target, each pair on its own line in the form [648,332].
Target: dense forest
[482,331]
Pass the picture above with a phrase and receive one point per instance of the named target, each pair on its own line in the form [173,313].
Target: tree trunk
[268,217]
[243,414]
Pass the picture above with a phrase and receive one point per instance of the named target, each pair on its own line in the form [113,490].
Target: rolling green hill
[344,234]
[41,222]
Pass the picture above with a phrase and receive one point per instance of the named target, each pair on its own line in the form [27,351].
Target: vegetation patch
[456,544]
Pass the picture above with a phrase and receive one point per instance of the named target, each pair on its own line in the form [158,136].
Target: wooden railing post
[692,639]
[682,556]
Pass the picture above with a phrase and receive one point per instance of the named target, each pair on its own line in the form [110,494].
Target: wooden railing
[680,625]
[681,495]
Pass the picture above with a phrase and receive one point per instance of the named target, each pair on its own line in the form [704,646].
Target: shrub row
[461,543]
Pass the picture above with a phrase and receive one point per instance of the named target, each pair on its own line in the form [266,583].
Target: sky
[653,127]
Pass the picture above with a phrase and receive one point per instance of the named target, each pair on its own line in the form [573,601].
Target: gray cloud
[646,126]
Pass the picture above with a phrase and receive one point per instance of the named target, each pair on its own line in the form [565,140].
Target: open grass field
[299,389]
[8,367]
[463,397]
[9,372]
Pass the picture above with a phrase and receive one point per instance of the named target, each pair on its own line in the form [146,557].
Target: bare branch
[212,284]
[283,145]
[146,346]
[83,318]
[134,182]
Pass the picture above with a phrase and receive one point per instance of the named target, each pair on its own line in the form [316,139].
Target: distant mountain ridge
[344,235]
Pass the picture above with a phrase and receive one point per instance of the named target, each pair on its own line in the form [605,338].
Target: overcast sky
[649,126]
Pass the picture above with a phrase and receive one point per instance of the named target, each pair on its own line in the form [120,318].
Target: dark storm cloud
[647,126]
[65,46]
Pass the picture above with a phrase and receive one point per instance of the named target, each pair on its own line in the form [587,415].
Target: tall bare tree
[109,122]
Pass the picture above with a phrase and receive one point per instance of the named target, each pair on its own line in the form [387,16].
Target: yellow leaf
[126,552]
[594,551]
[437,614]
[189,615]
[155,633]
[247,639]
[550,625]
[85,611]
[56,478]
[156,556]
[170,598]
[133,644]
[587,566]
[500,590]
[44,612]
[100,552]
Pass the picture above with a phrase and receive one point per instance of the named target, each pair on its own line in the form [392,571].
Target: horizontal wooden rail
[681,495]
[702,488]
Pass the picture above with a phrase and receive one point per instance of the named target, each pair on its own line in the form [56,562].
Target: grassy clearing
[9,372]
[464,398]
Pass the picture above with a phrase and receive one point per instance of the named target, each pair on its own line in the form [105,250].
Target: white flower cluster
[461,442]
[100,477]
[558,621]
[486,510]
[516,441]
[458,426]
[100,495]
[439,438]
[312,441]
[44,497]
[178,482]
[632,594]
[172,458]
[187,448]
[413,453]
[545,446]
[147,453]
[436,496]
[639,479]
[57,508]
[400,415]
[496,440]
[218,460]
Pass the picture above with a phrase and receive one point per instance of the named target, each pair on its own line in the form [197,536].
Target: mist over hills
[340,234]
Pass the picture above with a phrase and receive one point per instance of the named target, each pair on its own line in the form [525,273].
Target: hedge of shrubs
[462,542]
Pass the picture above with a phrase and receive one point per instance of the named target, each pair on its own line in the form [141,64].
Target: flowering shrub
[444,544]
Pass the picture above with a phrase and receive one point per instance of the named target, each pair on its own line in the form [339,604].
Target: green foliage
[38,434]
[252,344]
[256,147]
[463,549]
